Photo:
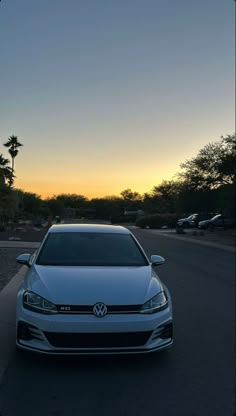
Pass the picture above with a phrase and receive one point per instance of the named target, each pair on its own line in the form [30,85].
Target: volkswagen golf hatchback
[91,289]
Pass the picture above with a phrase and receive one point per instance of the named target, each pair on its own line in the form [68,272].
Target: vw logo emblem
[100,310]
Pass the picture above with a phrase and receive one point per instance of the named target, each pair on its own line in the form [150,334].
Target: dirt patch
[21,235]
[218,236]
[8,265]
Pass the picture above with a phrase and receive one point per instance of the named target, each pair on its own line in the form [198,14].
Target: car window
[217,217]
[90,249]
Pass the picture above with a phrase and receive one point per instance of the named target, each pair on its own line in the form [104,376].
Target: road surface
[195,378]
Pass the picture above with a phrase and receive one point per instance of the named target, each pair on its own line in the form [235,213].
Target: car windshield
[216,217]
[90,249]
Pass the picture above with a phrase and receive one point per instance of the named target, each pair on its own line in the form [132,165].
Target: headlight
[155,304]
[38,304]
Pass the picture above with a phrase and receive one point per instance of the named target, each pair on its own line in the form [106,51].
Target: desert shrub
[157,221]
[117,219]
[2,227]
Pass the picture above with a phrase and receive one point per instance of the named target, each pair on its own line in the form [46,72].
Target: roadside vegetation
[206,183]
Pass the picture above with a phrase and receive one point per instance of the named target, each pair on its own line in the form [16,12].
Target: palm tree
[13,144]
[5,170]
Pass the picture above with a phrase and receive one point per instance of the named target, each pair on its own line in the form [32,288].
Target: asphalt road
[195,378]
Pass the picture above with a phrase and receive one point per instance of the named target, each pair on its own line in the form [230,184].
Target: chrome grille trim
[88,309]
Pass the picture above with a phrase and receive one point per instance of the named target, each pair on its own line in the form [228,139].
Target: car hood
[89,285]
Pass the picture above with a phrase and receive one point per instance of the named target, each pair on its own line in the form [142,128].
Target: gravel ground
[28,235]
[218,236]
[8,265]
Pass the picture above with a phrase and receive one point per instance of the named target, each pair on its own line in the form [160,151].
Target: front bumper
[86,334]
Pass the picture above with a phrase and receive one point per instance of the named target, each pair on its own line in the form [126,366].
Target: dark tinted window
[217,217]
[90,249]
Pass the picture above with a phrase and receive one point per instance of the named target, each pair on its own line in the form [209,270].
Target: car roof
[88,228]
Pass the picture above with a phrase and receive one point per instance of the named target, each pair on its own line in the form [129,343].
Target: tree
[13,144]
[72,200]
[8,204]
[5,170]
[129,195]
[227,163]
[30,204]
[107,206]
[165,196]
[214,165]
[55,206]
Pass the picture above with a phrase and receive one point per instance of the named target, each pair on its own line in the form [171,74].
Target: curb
[7,319]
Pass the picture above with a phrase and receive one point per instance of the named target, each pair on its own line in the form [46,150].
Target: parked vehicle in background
[187,222]
[193,220]
[217,221]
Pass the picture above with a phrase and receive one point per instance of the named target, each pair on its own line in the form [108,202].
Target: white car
[217,221]
[91,289]
[188,221]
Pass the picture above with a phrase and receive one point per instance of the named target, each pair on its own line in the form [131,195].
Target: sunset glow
[114,97]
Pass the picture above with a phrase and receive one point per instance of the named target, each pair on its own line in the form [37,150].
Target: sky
[113,94]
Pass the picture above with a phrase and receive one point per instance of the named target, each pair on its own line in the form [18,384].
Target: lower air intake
[97,340]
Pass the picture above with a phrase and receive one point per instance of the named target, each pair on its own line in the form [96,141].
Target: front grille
[97,340]
[88,309]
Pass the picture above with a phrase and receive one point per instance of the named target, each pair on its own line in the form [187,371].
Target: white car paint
[85,286]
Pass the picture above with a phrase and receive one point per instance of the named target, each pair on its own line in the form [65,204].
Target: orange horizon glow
[94,180]
[47,194]
[101,175]
[90,189]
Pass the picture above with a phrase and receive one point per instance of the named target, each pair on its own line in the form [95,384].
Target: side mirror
[157,260]
[24,259]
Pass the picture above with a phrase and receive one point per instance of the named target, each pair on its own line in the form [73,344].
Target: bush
[157,221]
[117,219]
[2,227]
